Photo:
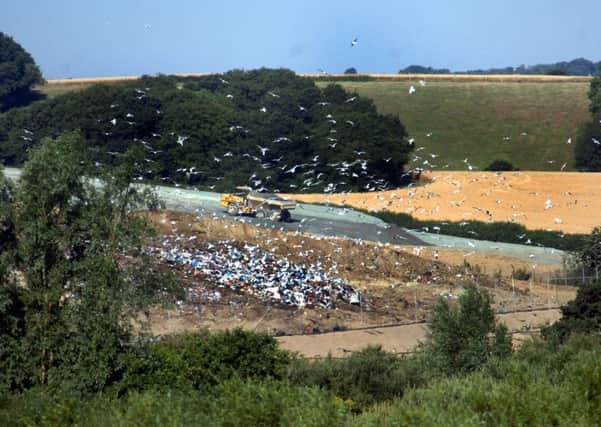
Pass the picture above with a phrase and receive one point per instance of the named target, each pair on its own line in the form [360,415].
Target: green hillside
[471,119]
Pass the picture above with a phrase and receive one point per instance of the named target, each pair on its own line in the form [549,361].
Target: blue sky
[82,38]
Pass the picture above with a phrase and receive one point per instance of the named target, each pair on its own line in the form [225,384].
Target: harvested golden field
[564,201]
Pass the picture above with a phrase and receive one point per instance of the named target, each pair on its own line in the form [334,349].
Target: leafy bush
[541,384]
[201,359]
[500,165]
[582,315]
[587,150]
[233,403]
[520,274]
[368,376]
[459,337]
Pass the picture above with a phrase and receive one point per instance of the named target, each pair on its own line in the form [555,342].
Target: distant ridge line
[516,78]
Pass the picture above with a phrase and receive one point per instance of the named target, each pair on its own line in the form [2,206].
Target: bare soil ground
[398,288]
[522,197]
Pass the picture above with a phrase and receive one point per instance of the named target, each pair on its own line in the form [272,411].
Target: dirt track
[400,339]
[574,207]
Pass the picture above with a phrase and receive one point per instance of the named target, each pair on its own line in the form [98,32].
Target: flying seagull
[354,42]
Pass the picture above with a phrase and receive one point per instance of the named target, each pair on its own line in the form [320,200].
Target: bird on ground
[569,141]
[411,90]
[264,150]
[596,141]
[181,139]
[422,83]
[229,96]
[222,80]
[354,42]
[563,166]
[263,110]
[114,122]
[275,95]
[351,99]
[350,122]
[429,134]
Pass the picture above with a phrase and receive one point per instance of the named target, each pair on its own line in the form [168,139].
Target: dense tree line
[268,128]
[575,67]
[18,73]
[587,150]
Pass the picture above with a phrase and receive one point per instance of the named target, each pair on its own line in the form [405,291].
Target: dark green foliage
[500,165]
[589,253]
[575,67]
[508,232]
[67,314]
[202,359]
[18,73]
[541,384]
[419,69]
[520,274]
[368,376]
[587,150]
[459,338]
[582,315]
[594,93]
[351,70]
[232,403]
[209,131]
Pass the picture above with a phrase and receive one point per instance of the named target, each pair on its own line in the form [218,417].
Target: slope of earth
[565,201]
[526,123]
[397,287]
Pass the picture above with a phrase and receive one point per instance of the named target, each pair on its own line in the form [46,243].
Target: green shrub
[500,166]
[201,359]
[233,403]
[459,338]
[368,376]
[582,315]
[520,274]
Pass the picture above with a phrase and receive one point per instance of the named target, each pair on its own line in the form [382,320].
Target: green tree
[500,165]
[462,338]
[18,72]
[587,150]
[582,315]
[350,70]
[594,93]
[77,257]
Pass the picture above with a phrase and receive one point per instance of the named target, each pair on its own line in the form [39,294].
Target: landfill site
[293,284]
[331,280]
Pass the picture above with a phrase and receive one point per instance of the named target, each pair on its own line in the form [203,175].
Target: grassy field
[472,118]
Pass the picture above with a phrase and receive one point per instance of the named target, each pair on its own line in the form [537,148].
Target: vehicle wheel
[260,214]
[285,216]
[232,208]
[274,215]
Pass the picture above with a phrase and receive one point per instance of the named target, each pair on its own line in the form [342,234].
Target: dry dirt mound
[569,202]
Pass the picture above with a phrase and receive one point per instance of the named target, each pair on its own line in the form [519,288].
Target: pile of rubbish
[248,269]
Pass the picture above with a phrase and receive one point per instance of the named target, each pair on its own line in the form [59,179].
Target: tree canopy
[18,72]
[73,278]
[587,150]
[267,128]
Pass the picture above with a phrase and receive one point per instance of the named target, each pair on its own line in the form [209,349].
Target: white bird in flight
[354,42]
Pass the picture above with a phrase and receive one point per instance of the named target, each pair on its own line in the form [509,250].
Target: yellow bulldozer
[246,201]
